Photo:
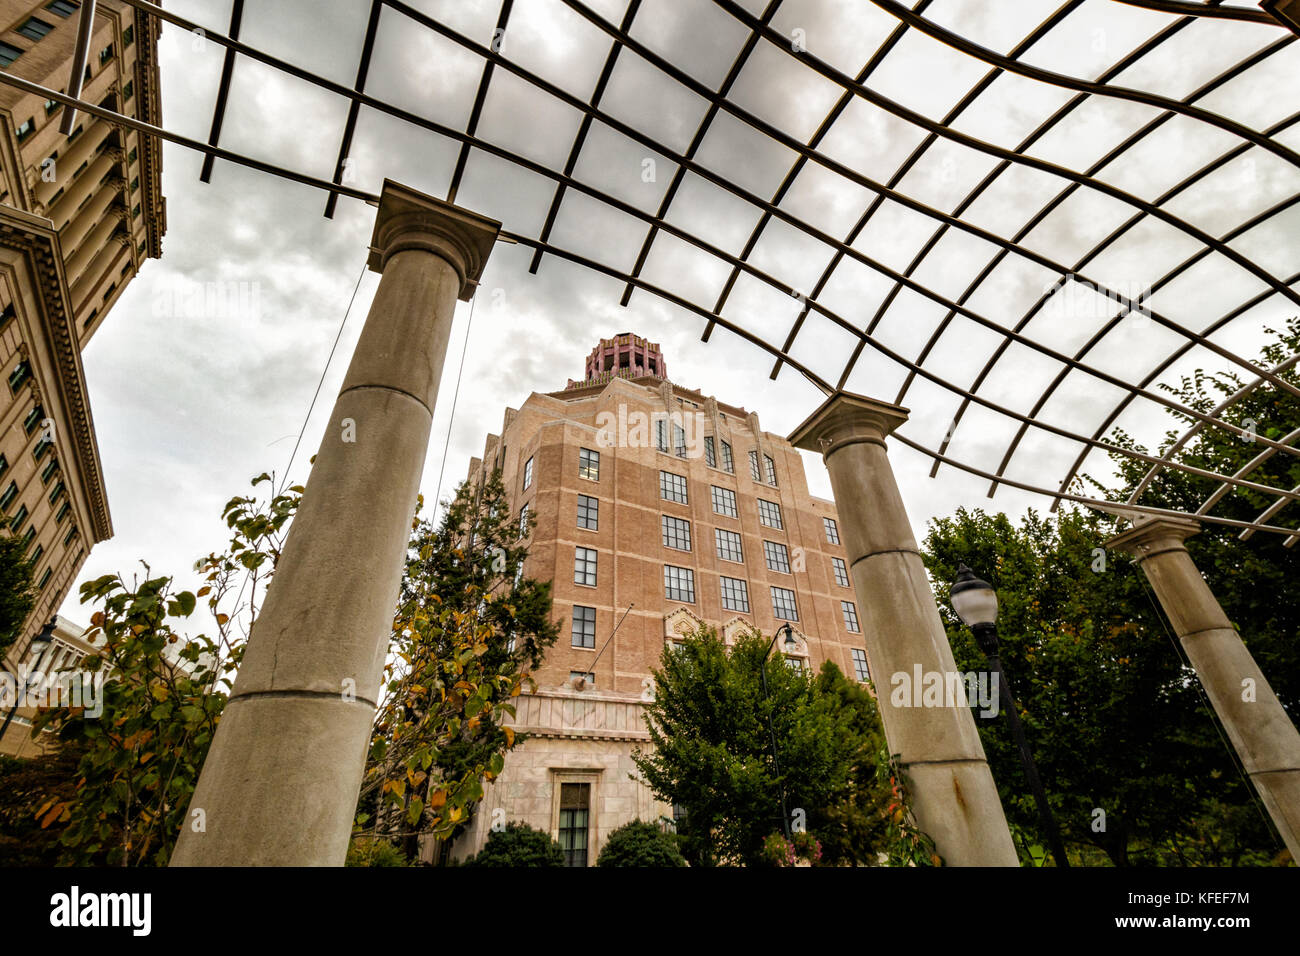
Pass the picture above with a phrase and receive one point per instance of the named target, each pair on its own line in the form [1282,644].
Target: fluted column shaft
[1262,734]
[280,785]
[954,797]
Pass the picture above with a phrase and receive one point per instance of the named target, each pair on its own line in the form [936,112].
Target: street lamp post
[46,638]
[771,729]
[976,603]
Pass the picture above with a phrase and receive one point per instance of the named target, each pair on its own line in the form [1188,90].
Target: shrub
[640,844]
[518,845]
[369,852]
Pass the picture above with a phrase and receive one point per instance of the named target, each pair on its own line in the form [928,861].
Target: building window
[523,521]
[832,530]
[753,466]
[676,532]
[769,513]
[64,8]
[584,566]
[57,493]
[7,314]
[76,132]
[769,469]
[135,211]
[45,579]
[19,376]
[587,677]
[778,558]
[783,606]
[724,501]
[8,54]
[589,464]
[27,538]
[528,474]
[36,555]
[574,819]
[52,106]
[4,465]
[735,594]
[63,513]
[710,453]
[661,434]
[729,547]
[48,473]
[679,584]
[841,572]
[106,54]
[20,519]
[850,617]
[584,626]
[130,157]
[140,248]
[588,512]
[68,538]
[795,664]
[728,463]
[41,448]
[35,28]
[33,419]
[8,497]
[860,670]
[128,36]
[672,487]
[679,440]
[26,129]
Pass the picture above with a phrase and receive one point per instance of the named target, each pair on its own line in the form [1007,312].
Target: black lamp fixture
[976,603]
[791,643]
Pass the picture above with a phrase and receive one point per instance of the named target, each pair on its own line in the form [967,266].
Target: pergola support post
[954,797]
[280,783]
[1262,734]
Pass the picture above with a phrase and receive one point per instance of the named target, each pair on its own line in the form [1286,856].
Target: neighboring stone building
[658,509]
[79,214]
[40,667]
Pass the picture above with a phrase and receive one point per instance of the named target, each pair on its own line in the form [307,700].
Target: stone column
[954,797]
[280,785]
[1261,732]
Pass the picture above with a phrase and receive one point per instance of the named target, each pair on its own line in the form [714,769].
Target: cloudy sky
[193,394]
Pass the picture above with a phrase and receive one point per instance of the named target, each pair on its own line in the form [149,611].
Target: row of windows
[735,597]
[673,487]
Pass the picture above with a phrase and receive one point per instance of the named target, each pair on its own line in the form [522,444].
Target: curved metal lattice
[1081,274]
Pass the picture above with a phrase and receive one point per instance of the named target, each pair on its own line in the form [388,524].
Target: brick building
[657,509]
[79,215]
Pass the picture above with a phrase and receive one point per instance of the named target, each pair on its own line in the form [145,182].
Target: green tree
[712,753]
[518,844]
[1128,753]
[143,733]
[640,844]
[468,631]
[17,597]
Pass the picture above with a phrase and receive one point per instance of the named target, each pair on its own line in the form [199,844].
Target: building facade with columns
[79,215]
[658,509]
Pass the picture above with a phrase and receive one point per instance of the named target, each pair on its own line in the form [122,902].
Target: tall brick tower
[658,509]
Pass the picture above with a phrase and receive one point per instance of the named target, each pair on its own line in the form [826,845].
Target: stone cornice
[37,241]
[148,104]
[845,418]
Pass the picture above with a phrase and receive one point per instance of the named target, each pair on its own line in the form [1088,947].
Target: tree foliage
[162,693]
[640,844]
[17,596]
[467,633]
[712,754]
[518,844]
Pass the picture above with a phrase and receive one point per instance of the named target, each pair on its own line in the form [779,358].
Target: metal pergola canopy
[1021,223]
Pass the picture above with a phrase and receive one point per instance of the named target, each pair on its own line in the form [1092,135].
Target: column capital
[845,418]
[412,220]
[1154,534]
